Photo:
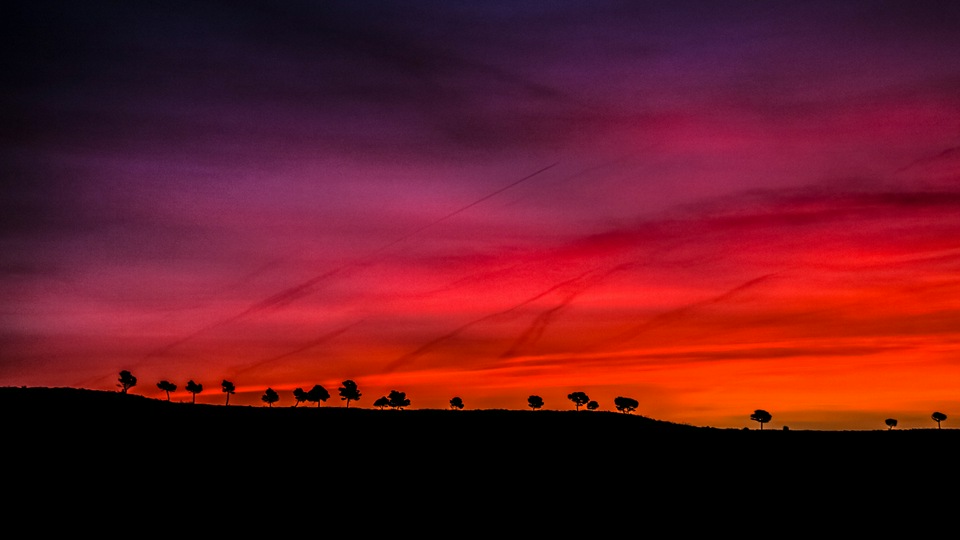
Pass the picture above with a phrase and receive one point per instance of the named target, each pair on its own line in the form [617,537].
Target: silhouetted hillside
[346,433]
[75,439]
[95,415]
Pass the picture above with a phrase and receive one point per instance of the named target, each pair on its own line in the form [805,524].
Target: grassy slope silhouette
[112,415]
[77,442]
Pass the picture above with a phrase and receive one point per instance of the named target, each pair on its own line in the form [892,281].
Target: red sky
[710,207]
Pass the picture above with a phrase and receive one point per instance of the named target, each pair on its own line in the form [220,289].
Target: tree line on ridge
[398,400]
[350,392]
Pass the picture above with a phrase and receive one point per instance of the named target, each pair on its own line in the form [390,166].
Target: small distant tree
[625,404]
[578,398]
[270,397]
[890,422]
[381,402]
[761,416]
[535,402]
[593,405]
[126,381]
[317,394]
[349,392]
[194,389]
[938,417]
[299,395]
[456,403]
[398,400]
[228,389]
[167,387]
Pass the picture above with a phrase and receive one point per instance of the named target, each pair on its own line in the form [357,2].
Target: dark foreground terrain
[62,437]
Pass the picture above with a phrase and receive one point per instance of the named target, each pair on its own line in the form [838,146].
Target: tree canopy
[625,404]
[938,417]
[126,381]
[270,397]
[456,403]
[228,388]
[398,400]
[317,394]
[299,395]
[761,416]
[194,389]
[578,398]
[167,387]
[535,402]
[349,392]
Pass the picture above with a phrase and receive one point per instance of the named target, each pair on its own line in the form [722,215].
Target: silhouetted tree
[127,381]
[167,387]
[270,397]
[592,406]
[349,392]
[317,394]
[938,417]
[228,388]
[381,402]
[299,395]
[194,389]
[625,404]
[398,400]
[761,416]
[578,398]
[456,403]
[535,402]
[890,422]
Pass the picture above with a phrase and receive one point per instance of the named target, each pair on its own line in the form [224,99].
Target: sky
[710,207]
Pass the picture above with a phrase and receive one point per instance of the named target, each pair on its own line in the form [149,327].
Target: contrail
[291,294]
[946,153]
[309,345]
[427,346]
[669,316]
[535,330]
[288,295]
[467,207]
[284,297]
